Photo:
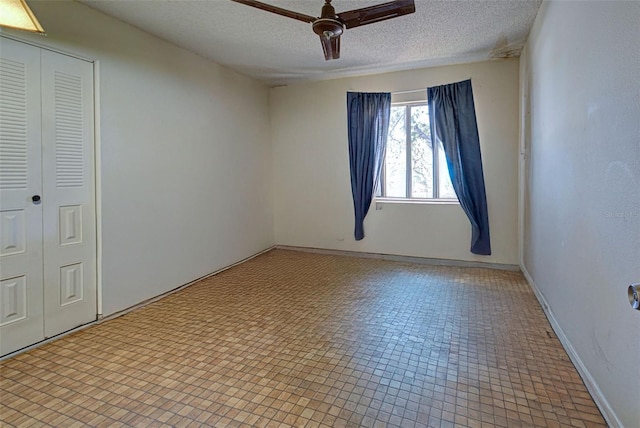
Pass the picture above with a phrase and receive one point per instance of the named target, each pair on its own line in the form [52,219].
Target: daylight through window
[413,167]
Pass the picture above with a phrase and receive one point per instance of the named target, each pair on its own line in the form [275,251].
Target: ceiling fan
[330,26]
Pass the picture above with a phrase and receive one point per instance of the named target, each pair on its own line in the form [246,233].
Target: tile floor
[308,340]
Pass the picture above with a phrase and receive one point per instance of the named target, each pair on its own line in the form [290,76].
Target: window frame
[380,194]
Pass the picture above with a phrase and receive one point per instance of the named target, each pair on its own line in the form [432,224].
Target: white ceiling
[280,50]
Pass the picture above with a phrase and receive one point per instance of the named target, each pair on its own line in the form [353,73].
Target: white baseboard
[181,287]
[398,258]
[100,319]
[592,386]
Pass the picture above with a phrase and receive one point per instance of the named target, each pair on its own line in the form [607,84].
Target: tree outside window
[413,167]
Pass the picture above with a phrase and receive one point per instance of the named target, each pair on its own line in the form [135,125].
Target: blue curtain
[368,123]
[453,121]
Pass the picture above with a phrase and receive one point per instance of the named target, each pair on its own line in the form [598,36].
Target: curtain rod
[404,92]
[398,92]
[408,92]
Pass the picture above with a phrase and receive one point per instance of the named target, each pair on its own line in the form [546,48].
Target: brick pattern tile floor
[308,340]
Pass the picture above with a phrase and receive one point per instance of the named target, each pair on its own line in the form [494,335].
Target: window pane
[421,154]
[396,158]
[444,180]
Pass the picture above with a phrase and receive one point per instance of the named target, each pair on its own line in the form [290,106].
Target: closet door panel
[69,208]
[21,256]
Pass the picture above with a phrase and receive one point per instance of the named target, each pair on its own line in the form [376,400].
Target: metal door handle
[634,295]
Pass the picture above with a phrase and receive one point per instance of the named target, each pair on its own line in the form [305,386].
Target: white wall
[186,163]
[582,194]
[185,156]
[313,205]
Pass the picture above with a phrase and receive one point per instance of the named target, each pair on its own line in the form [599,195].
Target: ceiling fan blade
[371,14]
[278,10]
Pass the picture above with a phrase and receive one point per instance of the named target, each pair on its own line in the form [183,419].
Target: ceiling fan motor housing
[328,27]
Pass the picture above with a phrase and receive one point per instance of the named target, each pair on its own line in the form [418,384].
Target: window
[413,167]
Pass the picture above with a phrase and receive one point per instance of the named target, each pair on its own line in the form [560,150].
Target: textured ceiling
[280,50]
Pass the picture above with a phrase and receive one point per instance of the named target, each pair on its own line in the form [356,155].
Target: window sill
[416,201]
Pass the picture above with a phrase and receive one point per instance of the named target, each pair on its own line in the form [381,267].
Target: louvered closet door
[21,297]
[68,196]
[47,207]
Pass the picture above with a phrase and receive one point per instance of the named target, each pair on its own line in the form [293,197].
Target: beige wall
[313,205]
[582,189]
[185,156]
[197,162]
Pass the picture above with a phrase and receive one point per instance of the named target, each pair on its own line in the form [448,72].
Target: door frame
[97,171]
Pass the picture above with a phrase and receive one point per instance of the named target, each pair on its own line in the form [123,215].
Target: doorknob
[634,295]
[35,199]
